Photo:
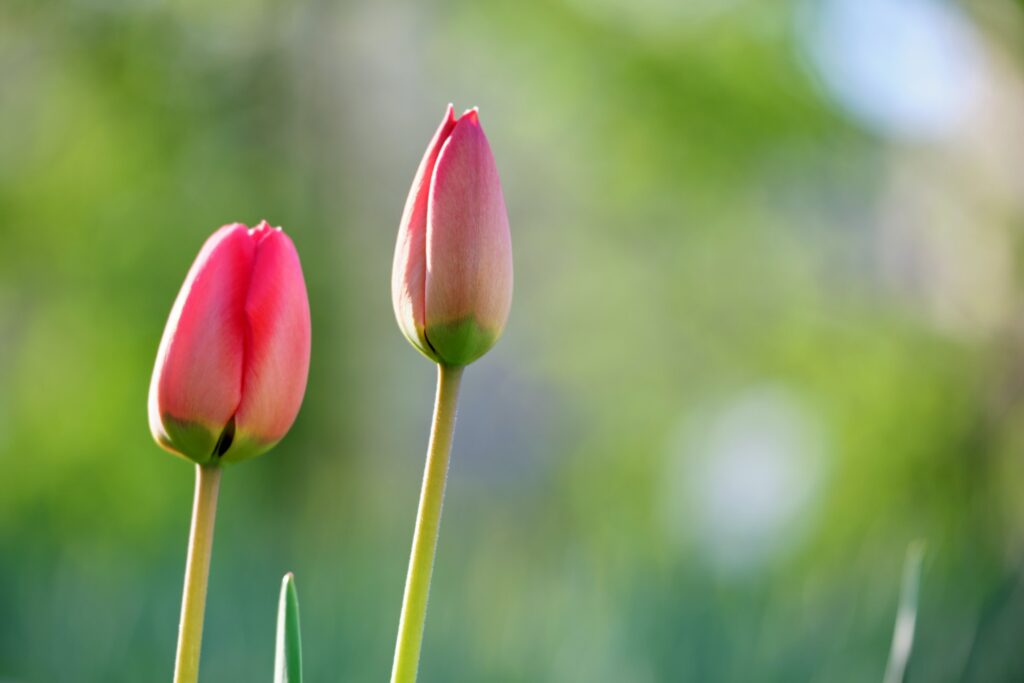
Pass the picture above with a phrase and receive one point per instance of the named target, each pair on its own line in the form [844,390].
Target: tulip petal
[277,345]
[409,272]
[196,385]
[468,248]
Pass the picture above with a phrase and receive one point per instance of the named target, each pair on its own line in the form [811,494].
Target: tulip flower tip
[449,115]
[262,226]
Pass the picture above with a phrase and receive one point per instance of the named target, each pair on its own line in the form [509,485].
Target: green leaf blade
[906,615]
[288,657]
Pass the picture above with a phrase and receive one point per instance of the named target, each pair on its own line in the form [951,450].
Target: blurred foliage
[759,342]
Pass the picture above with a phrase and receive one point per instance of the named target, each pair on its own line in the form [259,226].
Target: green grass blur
[766,333]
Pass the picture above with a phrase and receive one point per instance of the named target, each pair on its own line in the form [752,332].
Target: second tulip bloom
[452,279]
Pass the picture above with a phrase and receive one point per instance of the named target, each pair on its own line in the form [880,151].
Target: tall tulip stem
[197,572]
[428,522]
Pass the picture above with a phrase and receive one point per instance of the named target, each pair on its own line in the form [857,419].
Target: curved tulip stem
[197,571]
[428,521]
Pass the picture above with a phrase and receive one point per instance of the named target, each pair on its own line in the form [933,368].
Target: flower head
[452,279]
[233,362]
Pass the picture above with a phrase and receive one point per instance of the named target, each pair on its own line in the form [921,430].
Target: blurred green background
[767,331]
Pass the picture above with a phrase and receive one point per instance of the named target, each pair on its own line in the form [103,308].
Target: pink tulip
[452,280]
[232,366]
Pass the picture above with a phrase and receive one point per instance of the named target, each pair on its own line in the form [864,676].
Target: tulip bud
[232,366]
[452,280]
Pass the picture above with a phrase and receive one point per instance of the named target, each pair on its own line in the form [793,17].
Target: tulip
[232,366]
[452,279]
[451,287]
[228,383]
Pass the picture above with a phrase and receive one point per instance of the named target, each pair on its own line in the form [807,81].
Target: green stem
[197,571]
[428,521]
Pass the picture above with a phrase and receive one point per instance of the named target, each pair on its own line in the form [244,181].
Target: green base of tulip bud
[428,523]
[461,342]
[204,445]
[193,441]
[244,448]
